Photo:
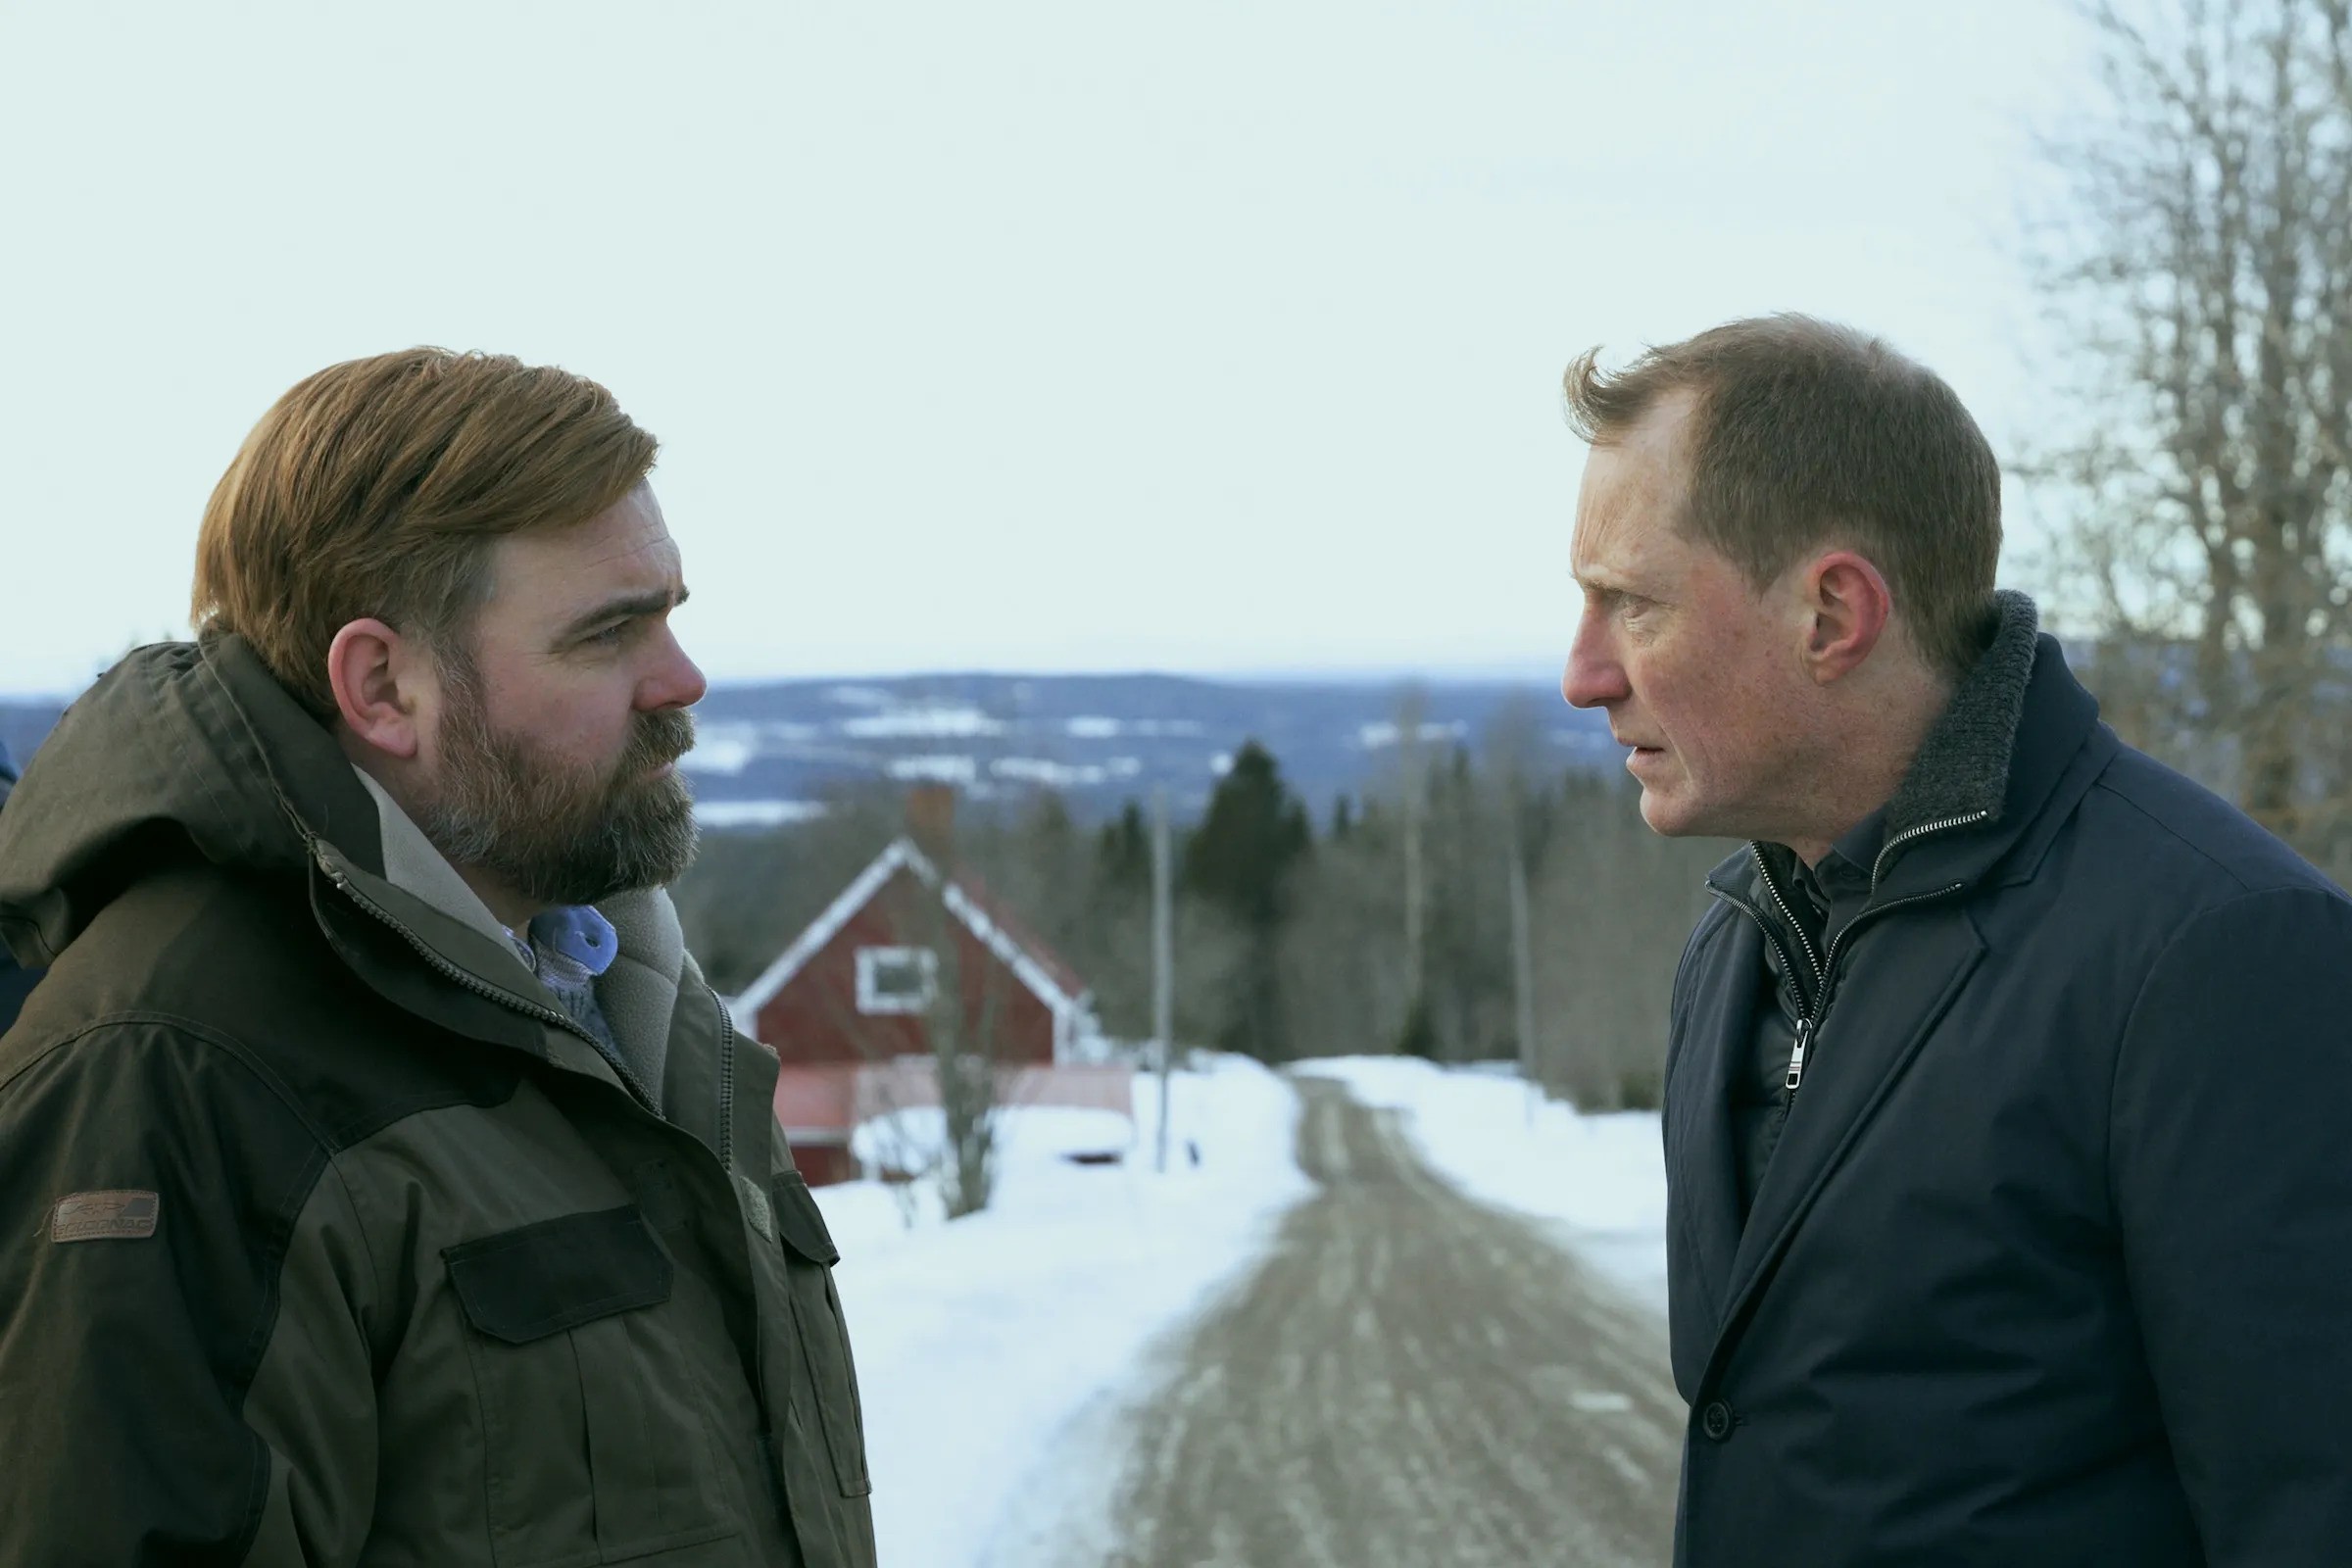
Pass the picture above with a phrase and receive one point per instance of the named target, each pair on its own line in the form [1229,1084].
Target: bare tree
[1347,991]
[956,1074]
[1512,738]
[1614,904]
[962,1026]
[1412,803]
[2202,271]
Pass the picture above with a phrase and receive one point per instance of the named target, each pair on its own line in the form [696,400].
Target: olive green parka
[332,1239]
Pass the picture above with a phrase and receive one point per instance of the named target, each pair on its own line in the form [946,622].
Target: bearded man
[384,1184]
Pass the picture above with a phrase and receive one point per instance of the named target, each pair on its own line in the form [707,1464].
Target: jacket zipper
[1941,824]
[483,987]
[1771,886]
[1804,1026]
[726,1079]
[1825,969]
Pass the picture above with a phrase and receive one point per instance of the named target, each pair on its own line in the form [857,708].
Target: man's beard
[555,832]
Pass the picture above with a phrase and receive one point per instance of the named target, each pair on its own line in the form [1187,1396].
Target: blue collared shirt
[568,948]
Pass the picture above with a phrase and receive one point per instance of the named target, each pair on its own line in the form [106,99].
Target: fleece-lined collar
[1962,768]
[1961,773]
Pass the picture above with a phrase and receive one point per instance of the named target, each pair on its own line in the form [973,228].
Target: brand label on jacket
[111,1216]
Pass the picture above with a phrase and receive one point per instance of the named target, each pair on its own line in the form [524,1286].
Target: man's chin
[649,843]
[663,836]
[1666,813]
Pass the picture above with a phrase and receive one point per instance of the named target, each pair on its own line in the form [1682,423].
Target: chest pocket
[822,1337]
[595,1441]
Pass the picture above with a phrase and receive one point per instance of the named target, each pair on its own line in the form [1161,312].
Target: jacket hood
[182,749]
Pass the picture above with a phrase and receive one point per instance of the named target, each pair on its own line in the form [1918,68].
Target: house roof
[983,898]
[1037,965]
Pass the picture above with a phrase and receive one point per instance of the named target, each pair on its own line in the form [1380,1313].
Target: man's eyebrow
[628,606]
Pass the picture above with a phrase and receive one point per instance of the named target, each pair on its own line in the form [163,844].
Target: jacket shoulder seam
[227,1044]
[2194,920]
[2176,836]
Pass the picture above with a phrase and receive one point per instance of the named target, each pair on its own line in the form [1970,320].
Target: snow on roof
[1038,967]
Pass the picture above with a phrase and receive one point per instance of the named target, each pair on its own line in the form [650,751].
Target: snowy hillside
[767,752]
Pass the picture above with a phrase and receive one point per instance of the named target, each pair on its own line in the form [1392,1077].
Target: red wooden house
[853,996]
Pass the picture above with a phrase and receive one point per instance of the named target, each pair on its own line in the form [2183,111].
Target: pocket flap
[525,1284]
[801,1224]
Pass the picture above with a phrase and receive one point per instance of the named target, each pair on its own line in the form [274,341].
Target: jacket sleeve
[2230,1159]
[181,1301]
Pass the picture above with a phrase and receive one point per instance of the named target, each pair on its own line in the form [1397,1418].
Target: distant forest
[1385,927]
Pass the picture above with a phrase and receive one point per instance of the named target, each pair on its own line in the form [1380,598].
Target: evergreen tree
[1239,862]
[1420,1036]
[1123,851]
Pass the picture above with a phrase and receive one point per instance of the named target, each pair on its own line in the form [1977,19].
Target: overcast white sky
[1211,337]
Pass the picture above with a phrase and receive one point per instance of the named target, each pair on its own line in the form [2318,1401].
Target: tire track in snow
[1412,1380]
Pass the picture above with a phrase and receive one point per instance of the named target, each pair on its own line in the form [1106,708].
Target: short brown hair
[1803,433]
[377,487]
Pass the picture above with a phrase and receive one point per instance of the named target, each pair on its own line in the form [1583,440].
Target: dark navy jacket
[2052,1262]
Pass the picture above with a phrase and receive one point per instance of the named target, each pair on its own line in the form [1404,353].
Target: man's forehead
[1632,492]
[627,546]
[643,557]
[548,583]
[1615,513]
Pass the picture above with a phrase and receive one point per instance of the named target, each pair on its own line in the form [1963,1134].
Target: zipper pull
[1797,1057]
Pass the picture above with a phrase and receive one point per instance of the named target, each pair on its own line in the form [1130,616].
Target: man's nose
[1593,677]
[676,681]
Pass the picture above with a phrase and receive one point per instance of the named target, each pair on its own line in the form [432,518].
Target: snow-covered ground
[997,1354]
[977,1340]
[1600,1181]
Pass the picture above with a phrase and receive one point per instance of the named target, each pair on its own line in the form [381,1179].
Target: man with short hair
[2009,1208]
[384,1183]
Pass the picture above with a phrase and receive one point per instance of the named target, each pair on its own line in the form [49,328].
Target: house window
[895,979]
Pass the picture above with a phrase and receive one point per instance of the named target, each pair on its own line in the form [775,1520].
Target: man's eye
[608,637]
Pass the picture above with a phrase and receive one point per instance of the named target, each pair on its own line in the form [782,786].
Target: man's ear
[376,674]
[1847,605]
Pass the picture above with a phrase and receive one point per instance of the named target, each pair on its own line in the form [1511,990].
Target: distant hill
[769,752]
[1099,740]
[23,725]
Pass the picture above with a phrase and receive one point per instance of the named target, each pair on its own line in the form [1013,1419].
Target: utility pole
[1523,960]
[1163,960]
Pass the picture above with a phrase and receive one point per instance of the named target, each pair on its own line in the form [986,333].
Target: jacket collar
[1963,767]
[2052,736]
[638,993]
[1984,772]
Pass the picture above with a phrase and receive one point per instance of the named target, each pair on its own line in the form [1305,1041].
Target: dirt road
[1411,1381]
